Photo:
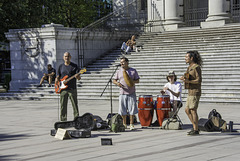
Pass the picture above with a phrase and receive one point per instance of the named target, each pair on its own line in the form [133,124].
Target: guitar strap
[193,67]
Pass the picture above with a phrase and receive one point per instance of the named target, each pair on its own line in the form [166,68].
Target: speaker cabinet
[205,125]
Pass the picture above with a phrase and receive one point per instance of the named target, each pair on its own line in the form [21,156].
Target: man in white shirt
[174,90]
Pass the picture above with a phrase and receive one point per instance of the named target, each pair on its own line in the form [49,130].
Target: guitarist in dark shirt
[68,69]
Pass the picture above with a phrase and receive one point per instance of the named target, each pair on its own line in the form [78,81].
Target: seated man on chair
[174,90]
[49,77]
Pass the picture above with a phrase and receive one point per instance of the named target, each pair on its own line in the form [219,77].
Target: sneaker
[39,85]
[49,85]
[125,125]
[132,127]
[194,132]
[190,131]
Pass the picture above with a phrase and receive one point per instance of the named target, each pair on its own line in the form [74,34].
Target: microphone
[118,65]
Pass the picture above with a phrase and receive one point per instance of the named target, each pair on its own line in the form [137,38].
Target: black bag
[75,133]
[206,125]
[85,121]
[213,123]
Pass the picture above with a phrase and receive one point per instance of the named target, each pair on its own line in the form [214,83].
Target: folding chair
[175,113]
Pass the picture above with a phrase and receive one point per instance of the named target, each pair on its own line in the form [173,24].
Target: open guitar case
[82,124]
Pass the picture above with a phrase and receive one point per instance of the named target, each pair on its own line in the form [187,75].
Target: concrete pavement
[25,135]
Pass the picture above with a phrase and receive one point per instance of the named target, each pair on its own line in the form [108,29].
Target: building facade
[165,15]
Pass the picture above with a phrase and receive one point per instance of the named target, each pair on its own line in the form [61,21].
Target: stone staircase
[219,48]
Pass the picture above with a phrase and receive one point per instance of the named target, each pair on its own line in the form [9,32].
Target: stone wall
[32,49]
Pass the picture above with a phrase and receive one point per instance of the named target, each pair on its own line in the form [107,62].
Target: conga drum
[163,107]
[145,109]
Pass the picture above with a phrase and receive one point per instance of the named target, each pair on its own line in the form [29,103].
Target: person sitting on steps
[49,77]
[129,45]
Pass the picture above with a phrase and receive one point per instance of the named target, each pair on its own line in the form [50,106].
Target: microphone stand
[110,81]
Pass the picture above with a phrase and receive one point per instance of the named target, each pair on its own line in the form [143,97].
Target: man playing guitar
[68,69]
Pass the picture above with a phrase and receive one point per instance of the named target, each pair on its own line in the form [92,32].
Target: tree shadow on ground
[7,137]
[7,157]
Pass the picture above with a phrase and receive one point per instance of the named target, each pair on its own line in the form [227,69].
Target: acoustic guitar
[62,84]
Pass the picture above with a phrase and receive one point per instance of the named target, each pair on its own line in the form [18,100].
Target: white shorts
[127,104]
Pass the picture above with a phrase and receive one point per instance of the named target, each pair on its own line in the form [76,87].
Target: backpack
[214,113]
[116,124]
[218,123]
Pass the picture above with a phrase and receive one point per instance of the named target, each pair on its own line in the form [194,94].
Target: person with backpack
[126,78]
[193,79]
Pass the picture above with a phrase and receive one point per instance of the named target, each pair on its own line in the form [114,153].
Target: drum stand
[110,81]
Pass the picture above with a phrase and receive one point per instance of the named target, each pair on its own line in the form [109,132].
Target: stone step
[148,53]
[205,56]
[115,91]
[213,44]
[229,29]
[166,65]
[157,80]
[187,48]
[152,88]
[147,74]
[200,39]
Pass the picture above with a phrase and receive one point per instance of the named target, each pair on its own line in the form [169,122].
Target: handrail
[107,16]
[123,22]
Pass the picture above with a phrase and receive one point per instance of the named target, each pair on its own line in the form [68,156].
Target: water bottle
[99,125]
[230,126]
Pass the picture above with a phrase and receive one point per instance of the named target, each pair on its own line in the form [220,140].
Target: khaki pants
[72,94]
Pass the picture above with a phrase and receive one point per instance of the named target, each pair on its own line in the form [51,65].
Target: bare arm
[57,79]
[174,93]
[78,77]
[136,81]
[117,83]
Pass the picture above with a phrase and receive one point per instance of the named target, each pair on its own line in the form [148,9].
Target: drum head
[145,96]
[163,96]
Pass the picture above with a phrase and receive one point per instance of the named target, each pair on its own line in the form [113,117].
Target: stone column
[217,15]
[171,15]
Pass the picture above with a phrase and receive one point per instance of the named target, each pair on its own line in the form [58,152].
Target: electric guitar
[62,84]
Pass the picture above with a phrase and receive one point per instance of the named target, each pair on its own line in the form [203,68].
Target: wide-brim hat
[171,73]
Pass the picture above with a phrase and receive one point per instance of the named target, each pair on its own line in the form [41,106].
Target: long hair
[196,57]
